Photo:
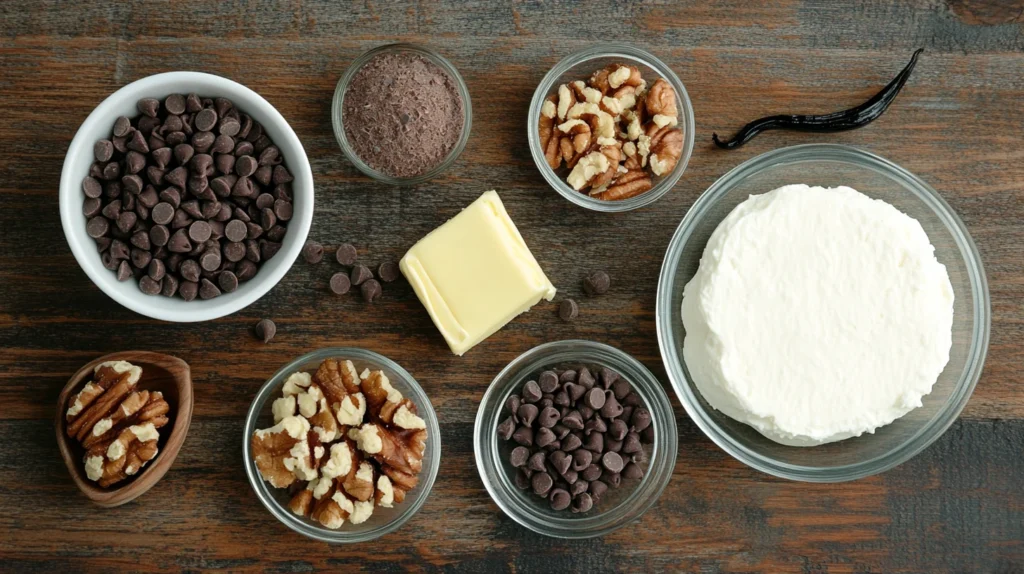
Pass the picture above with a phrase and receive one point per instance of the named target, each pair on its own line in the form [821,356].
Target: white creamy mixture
[817,315]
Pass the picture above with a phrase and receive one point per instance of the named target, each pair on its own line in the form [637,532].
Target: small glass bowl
[384,520]
[580,66]
[831,165]
[339,126]
[619,506]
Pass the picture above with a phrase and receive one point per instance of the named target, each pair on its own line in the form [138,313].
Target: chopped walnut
[353,439]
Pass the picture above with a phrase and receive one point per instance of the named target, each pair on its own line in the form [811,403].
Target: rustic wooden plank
[957,507]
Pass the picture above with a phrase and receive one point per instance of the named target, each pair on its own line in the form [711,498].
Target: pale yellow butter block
[475,273]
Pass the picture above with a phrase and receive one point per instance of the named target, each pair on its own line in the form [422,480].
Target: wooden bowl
[164,373]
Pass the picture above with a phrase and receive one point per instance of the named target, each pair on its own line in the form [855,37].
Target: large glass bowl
[831,166]
[383,520]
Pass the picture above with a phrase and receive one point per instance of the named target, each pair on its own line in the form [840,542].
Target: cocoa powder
[402,113]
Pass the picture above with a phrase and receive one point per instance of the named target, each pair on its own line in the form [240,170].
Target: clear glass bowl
[384,520]
[339,126]
[619,506]
[580,66]
[830,166]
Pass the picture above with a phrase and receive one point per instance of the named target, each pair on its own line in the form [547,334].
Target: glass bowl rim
[644,494]
[428,475]
[930,431]
[338,124]
[611,50]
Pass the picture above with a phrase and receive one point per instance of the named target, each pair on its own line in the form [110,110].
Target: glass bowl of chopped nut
[575,439]
[611,128]
[342,445]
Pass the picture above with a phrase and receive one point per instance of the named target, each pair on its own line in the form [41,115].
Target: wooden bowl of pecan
[121,420]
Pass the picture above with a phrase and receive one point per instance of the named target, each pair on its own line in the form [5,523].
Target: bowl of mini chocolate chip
[186,196]
[575,439]
[401,114]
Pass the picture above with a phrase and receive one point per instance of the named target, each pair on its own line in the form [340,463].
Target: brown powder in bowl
[402,114]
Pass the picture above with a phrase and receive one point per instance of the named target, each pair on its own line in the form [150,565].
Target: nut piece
[661,99]
[370,455]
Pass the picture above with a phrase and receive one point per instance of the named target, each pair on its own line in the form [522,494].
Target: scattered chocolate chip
[346,254]
[340,284]
[596,283]
[568,310]
[388,271]
[360,273]
[371,290]
[265,329]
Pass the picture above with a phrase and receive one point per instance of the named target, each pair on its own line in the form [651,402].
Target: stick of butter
[475,273]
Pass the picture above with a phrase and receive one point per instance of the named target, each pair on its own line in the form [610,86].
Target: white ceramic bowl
[98,126]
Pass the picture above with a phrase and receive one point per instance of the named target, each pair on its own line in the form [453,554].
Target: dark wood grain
[958,507]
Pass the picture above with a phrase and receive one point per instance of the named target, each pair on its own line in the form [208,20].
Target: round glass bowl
[580,66]
[339,126]
[617,507]
[384,520]
[831,166]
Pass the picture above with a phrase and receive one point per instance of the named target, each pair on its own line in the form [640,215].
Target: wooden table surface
[957,507]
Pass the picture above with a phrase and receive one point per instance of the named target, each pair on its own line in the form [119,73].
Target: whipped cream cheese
[817,315]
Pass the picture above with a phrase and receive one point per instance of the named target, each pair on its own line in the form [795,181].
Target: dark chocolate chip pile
[189,198]
[577,435]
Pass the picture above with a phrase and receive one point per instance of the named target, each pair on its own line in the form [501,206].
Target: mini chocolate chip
[124,271]
[265,329]
[523,436]
[608,377]
[568,310]
[548,417]
[544,437]
[371,290]
[531,392]
[188,290]
[611,408]
[581,459]
[522,479]
[340,284]
[506,428]
[388,271]
[595,398]
[536,462]
[571,442]
[559,499]
[594,443]
[596,283]
[582,503]
[641,419]
[519,456]
[612,462]
[527,413]
[360,273]
[548,381]
[541,483]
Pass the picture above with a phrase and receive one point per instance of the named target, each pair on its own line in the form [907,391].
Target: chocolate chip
[560,460]
[568,310]
[548,417]
[92,187]
[360,273]
[617,429]
[571,442]
[148,286]
[582,503]
[581,459]
[91,207]
[595,398]
[632,471]
[371,290]
[647,435]
[544,436]
[548,381]
[631,443]
[103,150]
[156,269]
[506,428]
[124,271]
[611,408]
[531,392]
[228,281]
[559,499]
[567,376]
[340,284]
[612,445]
[97,227]
[389,271]
[199,231]
[575,391]
[122,126]
[594,443]
[205,120]
[613,480]
[608,377]
[175,104]
[265,329]
[595,424]
[596,283]
[573,420]
[148,106]
[236,231]
[591,473]
[621,388]
[523,436]
[527,413]
[346,254]
[641,419]
[541,483]
[560,431]
[281,175]
[597,489]
[522,480]
[612,462]
[189,270]
[188,290]
[512,404]
[170,286]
